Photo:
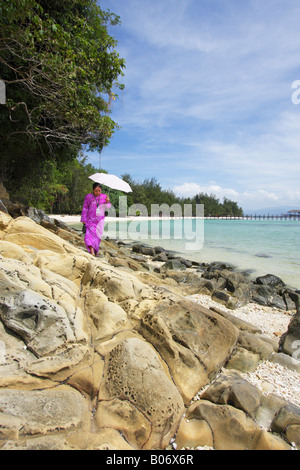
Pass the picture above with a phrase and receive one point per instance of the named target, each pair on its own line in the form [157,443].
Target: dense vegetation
[61,71]
[150,192]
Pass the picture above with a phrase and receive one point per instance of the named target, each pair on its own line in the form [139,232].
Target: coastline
[210,243]
[115,312]
[269,377]
[76,218]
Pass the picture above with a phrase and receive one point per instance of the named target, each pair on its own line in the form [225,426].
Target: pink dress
[93,215]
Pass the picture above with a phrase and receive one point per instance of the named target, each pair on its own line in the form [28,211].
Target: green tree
[61,71]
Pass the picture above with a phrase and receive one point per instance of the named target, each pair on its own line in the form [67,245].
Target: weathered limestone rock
[107,439]
[293,434]
[109,319]
[269,441]
[71,267]
[134,374]
[193,433]
[39,443]
[10,250]
[231,428]
[25,232]
[270,406]
[96,356]
[125,417]
[238,322]
[43,325]
[40,412]
[256,345]
[288,415]
[117,286]
[231,389]
[243,360]
[194,342]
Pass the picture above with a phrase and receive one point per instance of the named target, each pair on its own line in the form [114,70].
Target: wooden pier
[290,215]
[273,217]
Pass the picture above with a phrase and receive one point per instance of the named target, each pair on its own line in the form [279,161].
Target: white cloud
[191,189]
[248,199]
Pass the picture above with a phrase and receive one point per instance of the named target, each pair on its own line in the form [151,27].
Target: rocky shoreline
[139,349]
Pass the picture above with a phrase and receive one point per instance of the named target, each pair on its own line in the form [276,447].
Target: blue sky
[207,105]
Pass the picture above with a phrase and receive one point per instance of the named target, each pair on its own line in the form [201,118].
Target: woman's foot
[92,251]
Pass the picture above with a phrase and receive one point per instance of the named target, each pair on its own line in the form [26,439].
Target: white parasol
[112,181]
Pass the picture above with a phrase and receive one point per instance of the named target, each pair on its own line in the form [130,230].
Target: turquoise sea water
[261,247]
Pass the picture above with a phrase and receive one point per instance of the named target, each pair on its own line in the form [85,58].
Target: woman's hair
[96,185]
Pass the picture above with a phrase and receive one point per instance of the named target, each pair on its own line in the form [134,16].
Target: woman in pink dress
[93,215]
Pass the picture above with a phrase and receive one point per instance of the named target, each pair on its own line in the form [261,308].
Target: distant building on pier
[293,213]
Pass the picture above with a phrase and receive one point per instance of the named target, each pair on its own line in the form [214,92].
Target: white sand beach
[269,377]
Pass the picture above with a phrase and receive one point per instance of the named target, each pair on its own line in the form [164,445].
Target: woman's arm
[104,199]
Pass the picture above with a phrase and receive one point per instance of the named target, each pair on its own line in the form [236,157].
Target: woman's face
[97,191]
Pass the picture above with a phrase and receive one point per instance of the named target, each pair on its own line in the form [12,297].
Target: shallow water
[259,247]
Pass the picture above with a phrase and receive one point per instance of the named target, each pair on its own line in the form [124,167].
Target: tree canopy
[61,71]
[150,192]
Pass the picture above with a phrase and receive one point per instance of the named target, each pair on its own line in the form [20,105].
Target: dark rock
[159,249]
[268,296]
[162,257]
[287,416]
[221,297]
[208,284]
[263,255]
[174,264]
[137,248]
[16,209]
[290,341]
[270,280]
[143,249]
[219,266]
[234,280]
[184,261]
[196,264]
[231,389]
[295,297]
[138,258]
[148,251]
